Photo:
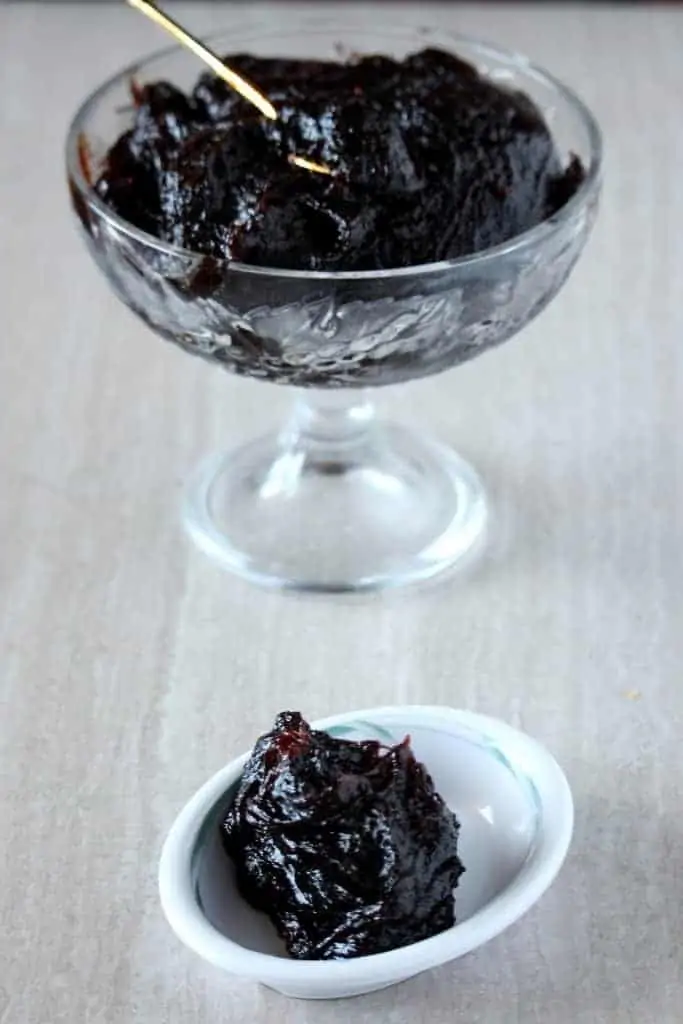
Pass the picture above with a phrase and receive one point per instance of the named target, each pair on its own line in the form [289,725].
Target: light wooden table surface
[131,668]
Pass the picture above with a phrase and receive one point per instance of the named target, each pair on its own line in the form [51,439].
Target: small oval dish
[516,814]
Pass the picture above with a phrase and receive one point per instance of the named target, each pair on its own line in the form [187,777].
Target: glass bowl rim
[518,243]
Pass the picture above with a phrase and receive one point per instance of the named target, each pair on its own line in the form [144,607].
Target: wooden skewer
[308,165]
[248,91]
[239,84]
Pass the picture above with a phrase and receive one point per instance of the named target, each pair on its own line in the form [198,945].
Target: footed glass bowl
[335,500]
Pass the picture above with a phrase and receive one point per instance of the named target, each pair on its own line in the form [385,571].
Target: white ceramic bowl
[516,813]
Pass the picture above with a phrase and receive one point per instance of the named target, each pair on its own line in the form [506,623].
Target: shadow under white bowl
[516,815]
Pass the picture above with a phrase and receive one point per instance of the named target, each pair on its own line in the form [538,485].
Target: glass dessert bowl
[336,499]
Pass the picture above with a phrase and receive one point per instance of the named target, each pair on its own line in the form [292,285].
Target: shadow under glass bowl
[336,500]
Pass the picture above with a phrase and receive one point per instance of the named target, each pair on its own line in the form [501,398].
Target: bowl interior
[495,804]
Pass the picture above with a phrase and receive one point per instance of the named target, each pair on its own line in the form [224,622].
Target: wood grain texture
[131,668]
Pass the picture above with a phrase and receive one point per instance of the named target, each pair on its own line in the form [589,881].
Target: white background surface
[131,668]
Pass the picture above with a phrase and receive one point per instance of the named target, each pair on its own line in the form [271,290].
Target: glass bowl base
[381,508]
